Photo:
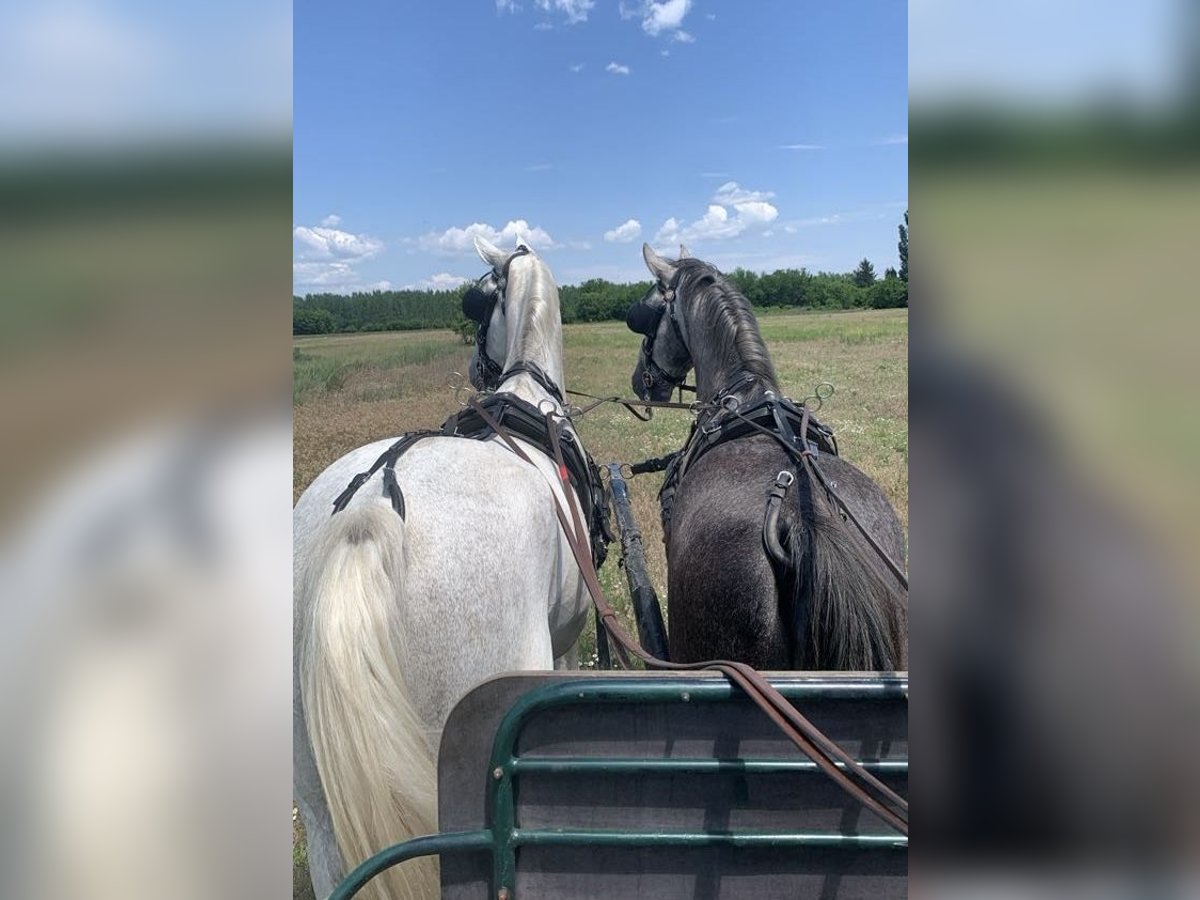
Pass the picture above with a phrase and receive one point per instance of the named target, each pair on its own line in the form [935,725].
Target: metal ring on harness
[773,537]
[819,395]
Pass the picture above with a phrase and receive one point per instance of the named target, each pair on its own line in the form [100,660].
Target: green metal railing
[504,837]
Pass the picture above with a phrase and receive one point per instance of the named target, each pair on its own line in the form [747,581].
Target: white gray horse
[397,618]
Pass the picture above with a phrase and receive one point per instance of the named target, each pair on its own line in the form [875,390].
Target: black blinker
[477,305]
[643,318]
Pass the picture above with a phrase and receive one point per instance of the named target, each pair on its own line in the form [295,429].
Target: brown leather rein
[846,772]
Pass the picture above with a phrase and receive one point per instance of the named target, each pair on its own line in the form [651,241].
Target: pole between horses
[646,609]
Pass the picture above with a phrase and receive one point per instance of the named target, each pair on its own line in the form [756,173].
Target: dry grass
[391,383]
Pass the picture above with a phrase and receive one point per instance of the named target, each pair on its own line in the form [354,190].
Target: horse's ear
[661,269]
[684,252]
[490,253]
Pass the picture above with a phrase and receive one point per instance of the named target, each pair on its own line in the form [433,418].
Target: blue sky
[762,134]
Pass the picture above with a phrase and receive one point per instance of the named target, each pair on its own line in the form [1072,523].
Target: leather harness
[497,414]
[777,415]
[502,413]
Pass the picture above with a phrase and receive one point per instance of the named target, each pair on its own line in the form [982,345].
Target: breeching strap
[814,471]
[841,768]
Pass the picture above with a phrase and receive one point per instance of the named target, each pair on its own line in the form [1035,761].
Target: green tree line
[598,300]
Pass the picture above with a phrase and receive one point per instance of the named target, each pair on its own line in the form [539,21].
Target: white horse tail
[376,767]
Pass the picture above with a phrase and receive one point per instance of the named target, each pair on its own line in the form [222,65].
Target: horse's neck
[537,339]
[721,366]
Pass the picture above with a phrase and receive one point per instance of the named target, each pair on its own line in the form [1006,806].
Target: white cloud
[578,67]
[338,277]
[756,212]
[332,220]
[664,52]
[624,233]
[801,147]
[454,241]
[731,193]
[683,37]
[317,274]
[617,69]
[895,139]
[330,243]
[714,174]
[669,233]
[574,10]
[750,210]
[442,281]
[327,258]
[539,167]
[543,26]
[666,16]
[710,16]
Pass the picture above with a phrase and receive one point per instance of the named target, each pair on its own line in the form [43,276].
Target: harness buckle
[785,479]
[730,403]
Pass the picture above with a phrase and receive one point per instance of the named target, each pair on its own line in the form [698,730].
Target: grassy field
[353,389]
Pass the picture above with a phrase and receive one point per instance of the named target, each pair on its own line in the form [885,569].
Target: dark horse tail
[849,612]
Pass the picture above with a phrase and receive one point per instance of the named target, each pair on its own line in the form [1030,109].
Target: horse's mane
[539,326]
[726,317]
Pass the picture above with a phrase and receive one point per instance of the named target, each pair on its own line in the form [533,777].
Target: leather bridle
[479,305]
[653,373]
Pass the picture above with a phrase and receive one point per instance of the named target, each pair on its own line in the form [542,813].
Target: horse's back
[480,559]
[868,502]
[725,598]
[722,596]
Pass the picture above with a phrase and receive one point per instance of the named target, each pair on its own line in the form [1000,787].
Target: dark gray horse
[829,602]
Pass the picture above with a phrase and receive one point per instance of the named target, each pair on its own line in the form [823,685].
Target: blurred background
[1055,198]
[145,483]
